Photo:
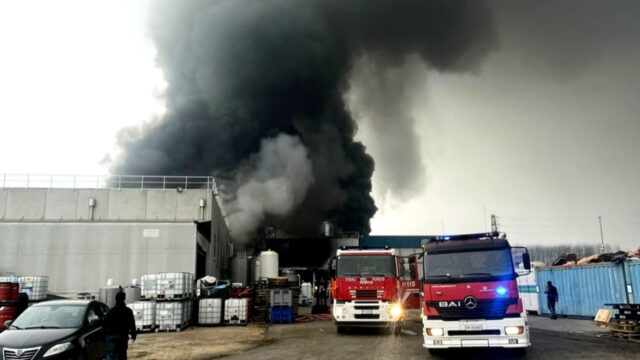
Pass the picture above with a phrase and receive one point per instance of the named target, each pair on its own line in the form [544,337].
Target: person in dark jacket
[118,324]
[23,303]
[552,298]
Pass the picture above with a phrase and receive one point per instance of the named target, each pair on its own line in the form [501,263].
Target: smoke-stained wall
[244,75]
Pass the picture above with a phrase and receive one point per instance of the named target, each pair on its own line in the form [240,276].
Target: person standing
[552,298]
[118,324]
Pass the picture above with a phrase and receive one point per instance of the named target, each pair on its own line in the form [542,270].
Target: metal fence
[142,182]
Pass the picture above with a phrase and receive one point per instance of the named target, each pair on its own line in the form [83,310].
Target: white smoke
[274,183]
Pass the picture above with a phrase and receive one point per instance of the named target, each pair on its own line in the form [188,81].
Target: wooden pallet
[612,336]
[175,297]
[626,335]
[624,325]
[146,328]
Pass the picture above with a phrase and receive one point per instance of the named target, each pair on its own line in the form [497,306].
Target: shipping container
[634,278]
[582,290]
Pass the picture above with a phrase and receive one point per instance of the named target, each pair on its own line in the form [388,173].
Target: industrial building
[83,232]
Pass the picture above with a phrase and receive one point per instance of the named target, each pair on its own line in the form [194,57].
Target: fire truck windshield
[366,265]
[468,265]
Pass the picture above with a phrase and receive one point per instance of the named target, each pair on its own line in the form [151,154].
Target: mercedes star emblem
[470,302]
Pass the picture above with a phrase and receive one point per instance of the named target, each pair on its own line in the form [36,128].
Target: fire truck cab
[367,288]
[470,295]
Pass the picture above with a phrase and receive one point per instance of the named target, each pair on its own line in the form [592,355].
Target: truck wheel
[341,330]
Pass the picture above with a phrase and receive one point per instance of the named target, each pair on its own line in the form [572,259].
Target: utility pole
[494,223]
[601,235]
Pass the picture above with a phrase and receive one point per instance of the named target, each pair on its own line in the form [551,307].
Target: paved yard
[560,339]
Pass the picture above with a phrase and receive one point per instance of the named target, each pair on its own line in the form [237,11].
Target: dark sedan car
[56,330]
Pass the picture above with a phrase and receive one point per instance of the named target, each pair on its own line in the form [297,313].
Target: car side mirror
[526,261]
[7,324]
[95,322]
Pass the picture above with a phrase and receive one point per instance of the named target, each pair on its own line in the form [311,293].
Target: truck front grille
[367,316]
[366,294]
[473,332]
[491,309]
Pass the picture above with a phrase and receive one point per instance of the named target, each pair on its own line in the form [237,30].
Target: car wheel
[341,330]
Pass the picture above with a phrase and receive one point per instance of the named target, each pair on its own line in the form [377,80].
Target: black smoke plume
[244,76]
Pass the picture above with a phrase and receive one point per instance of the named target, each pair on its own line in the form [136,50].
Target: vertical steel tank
[255,268]
[240,267]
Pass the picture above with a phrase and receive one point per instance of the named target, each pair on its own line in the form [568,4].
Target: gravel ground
[198,343]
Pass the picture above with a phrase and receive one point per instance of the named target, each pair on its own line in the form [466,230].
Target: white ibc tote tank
[268,264]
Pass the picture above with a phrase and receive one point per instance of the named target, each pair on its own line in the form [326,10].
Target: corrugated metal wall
[583,289]
[634,270]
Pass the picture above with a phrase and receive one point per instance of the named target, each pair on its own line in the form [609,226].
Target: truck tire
[341,329]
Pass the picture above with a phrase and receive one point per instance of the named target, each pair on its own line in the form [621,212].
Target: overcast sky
[545,135]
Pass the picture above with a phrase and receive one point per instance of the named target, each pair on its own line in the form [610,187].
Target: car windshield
[365,265]
[51,316]
[487,263]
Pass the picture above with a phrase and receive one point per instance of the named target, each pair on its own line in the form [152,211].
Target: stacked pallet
[626,323]
[261,305]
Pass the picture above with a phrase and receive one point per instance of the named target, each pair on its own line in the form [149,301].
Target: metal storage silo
[240,267]
[255,262]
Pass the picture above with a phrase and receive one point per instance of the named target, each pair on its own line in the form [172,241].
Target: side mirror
[7,324]
[526,261]
[95,322]
[332,266]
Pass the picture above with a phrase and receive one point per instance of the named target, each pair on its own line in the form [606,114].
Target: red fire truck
[470,295]
[373,288]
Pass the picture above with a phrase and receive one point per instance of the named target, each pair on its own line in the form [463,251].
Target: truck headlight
[395,310]
[435,331]
[58,348]
[338,311]
[513,330]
